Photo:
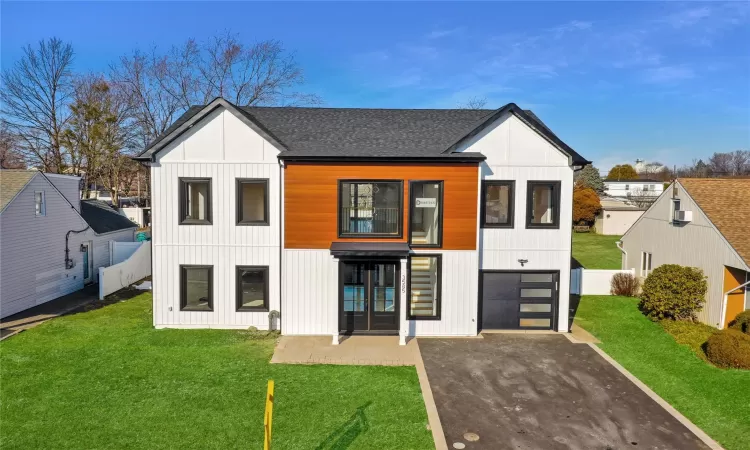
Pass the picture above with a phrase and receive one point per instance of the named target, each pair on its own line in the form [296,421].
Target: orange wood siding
[736,300]
[311,201]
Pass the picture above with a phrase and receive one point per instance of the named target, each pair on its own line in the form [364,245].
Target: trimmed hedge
[673,292]
[741,322]
[729,349]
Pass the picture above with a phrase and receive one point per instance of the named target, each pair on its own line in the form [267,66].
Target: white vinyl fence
[120,251]
[593,282]
[127,272]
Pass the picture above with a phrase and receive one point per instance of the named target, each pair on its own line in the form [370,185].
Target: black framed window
[425,285]
[543,204]
[252,288]
[371,208]
[426,213]
[195,201]
[498,203]
[252,202]
[196,288]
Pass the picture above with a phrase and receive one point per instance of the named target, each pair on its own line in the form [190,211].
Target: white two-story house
[361,221]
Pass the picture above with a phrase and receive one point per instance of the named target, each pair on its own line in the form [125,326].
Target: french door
[368,296]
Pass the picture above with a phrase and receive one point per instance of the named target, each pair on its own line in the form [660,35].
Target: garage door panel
[518,300]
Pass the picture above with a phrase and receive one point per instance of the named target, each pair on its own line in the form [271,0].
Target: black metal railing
[369,220]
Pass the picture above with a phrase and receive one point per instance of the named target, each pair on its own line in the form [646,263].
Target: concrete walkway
[353,350]
[32,317]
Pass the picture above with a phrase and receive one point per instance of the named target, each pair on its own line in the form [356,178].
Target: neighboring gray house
[702,223]
[51,242]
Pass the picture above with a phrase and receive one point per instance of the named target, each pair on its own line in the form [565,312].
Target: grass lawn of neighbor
[595,251]
[716,400]
[106,379]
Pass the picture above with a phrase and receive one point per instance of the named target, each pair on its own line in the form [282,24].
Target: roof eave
[383,159]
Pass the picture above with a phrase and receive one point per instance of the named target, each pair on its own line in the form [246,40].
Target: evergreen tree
[589,177]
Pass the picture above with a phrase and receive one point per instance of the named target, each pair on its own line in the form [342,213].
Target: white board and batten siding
[517,153]
[223,148]
[696,243]
[311,294]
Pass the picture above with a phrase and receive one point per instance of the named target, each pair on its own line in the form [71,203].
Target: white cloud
[667,74]
[688,17]
[437,34]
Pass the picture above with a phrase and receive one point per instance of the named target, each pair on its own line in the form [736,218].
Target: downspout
[281,239]
[624,252]
[724,303]
[69,262]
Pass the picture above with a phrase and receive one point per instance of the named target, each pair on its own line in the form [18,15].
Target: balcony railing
[369,220]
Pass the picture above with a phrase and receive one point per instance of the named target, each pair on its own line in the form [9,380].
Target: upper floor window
[195,201]
[370,208]
[497,204]
[40,205]
[426,214]
[543,204]
[252,202]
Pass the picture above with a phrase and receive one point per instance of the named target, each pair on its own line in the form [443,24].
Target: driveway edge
[429,402]
[667,407]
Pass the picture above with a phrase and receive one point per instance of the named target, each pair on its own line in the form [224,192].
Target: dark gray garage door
[518,300]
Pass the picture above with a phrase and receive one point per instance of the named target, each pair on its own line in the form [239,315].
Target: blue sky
[662,81]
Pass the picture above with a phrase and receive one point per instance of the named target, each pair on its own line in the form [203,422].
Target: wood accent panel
[311,201]
[736,300]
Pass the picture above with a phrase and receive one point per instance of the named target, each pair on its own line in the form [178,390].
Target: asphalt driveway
[527,391]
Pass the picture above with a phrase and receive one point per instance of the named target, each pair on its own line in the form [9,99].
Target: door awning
[396,249]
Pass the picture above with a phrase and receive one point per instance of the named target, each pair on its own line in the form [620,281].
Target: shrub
[729,349]
[673,292]
[692,334]
[586,205]
[625,284]
[741,322]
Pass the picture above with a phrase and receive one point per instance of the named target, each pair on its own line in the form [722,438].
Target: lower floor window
[424,286]
[252,288]
[645,264]
[196,288]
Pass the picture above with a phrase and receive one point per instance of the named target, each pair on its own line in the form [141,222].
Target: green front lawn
[107,379]
[714,399]
[595,251]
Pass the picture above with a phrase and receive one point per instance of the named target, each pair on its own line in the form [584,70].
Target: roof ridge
[365,109]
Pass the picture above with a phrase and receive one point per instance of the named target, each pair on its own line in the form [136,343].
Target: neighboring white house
[702,223]
[616,216]
[51,242]
[256,210]
[633,188]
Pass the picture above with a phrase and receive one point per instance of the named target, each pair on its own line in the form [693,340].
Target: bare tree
[10,157]
[161,86]
[35,94]
[720,164]
[474,103]
[641,198]
[740,162]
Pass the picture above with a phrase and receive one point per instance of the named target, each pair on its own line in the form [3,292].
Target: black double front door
[369,294]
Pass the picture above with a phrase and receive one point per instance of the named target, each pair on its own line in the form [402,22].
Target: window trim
[439,285]
[183,287]
[556,184]
[646,263]
[42,206]
[511,204]
[238,187]
[183,183]
[400,234]
[238,290]
[440,213]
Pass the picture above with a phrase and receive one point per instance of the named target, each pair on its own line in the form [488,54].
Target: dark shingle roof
[348,132]
[361,133]
[102,218]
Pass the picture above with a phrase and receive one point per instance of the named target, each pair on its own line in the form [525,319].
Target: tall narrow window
[196,288]
[497,204]
[424,286]
[252,288]
[426,215]
[645,264]
[370,208]
[195,201]
[40,205]
[252,202]
[543,204]
[675,208]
